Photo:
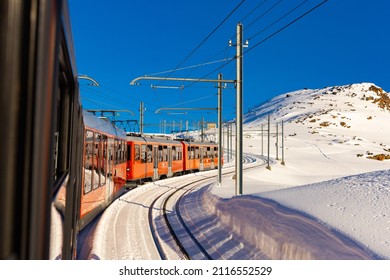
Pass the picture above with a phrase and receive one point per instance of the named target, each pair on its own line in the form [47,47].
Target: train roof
[102,124]
[199,143]
[151,139]
[146,139]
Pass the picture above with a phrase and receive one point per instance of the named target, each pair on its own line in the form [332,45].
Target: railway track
[174,219]
[153,222]
[170,231]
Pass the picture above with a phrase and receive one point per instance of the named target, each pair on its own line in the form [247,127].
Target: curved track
[184,240]
[150,215]
[175,219]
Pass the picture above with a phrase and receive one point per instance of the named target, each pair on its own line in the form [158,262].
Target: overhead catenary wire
[263,14]
[227,61]
[191,67]
[207,37]
[112,101]
[267,38]
[253,10]
[276,21]
[287,25]
[246,27]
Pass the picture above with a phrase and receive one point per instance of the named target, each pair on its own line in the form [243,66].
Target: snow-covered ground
[328,136]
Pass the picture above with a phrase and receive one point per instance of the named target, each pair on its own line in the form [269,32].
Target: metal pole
[269,136]
[228,142]
[283,163]
[262,139]
[202,130]
[219,130]
[239,101]
[141,118]
[223,136]
[277,141]
[231,141]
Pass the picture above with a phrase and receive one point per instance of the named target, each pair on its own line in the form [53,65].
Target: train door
[107,168]
[201,161]
[156,176]
[211,155]
[170,161]
[110,153]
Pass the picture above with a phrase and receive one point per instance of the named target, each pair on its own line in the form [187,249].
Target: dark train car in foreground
[60,167]
[42,131]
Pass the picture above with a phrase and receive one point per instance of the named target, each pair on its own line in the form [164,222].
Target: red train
[158,158]
[104,162]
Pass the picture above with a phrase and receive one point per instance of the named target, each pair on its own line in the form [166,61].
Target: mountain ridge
[353,116]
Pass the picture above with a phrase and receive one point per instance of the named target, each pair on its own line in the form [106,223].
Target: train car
[60,166]
[199,156]
[152,159]
[42,130]
[104,166]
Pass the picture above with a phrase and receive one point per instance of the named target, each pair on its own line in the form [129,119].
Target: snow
[323,176]
[327,177]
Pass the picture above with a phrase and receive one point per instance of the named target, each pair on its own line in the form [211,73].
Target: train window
[124,151]
[192,155]
[180,153]
[143,153]
[128,152]
[103,167]
[204,152]
[137,155]
[197,152]
[115,152]
[149,153]
[119,151]
[174,153]
[96,161]
[56,135]
[111,149]
[209,152]
[165,153]
[88,161]
[216,152]
[160,153]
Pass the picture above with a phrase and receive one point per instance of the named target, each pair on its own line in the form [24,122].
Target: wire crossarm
[134,82]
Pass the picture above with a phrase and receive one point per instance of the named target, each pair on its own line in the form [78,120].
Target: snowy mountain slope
[329,136]
[344,124]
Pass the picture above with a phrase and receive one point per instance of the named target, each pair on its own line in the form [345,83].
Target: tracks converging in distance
[167,226]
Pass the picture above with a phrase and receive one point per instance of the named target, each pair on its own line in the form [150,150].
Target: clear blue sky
[341,42]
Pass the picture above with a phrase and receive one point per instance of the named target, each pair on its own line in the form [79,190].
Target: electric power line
[207,37]
[263,14]
[190,67]
[276,21]
[287,25]
[258,6]
[267,38]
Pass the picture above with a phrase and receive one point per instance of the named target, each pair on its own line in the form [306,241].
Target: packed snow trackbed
[134,227]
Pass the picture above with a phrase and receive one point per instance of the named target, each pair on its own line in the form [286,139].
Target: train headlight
[127,169]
